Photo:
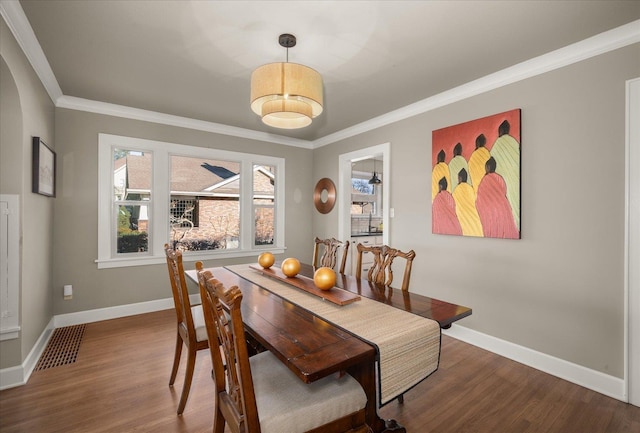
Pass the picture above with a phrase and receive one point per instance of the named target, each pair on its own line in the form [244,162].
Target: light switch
[392,212]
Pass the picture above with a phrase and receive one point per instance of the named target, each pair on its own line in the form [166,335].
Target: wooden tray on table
[336,295]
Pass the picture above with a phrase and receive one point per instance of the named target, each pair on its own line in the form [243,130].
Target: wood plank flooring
[119,383]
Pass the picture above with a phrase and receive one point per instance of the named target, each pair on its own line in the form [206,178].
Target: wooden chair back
[383,256]
[329,255]
[235,397]
[190,331]
[180,292]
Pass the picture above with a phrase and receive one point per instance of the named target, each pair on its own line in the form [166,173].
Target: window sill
[187,257]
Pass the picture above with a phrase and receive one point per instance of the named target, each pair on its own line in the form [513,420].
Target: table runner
[408,345]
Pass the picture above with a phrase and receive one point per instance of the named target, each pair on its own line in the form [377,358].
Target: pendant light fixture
[286,95]
[375,180]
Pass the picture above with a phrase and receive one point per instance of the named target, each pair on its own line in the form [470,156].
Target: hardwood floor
[119,383]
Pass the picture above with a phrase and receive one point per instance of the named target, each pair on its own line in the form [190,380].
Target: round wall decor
[324,196]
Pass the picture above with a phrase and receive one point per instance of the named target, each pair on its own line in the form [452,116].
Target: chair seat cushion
[288,405]
[198,323]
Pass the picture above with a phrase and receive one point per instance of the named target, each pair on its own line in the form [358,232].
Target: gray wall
[559,290]
[26,112]
[76,210]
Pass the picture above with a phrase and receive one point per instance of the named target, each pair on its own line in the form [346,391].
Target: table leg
[365,374]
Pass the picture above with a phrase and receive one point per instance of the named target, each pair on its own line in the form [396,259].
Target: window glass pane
[361,186]
[263,204]
[264,226]
[133,224]
[131,174]
[131,193]
[204,211]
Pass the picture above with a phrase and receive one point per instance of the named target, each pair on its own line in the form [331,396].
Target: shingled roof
[188,174]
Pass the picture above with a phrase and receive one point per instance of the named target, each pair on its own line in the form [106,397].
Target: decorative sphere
[266,260]
[324,278]
[290,267]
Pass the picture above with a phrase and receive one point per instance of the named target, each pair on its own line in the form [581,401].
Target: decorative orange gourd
[290,267]
[324,278]
[266,260]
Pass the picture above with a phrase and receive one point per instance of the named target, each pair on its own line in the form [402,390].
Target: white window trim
[159,218]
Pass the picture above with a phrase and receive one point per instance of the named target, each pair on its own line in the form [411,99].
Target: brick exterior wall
[218,220]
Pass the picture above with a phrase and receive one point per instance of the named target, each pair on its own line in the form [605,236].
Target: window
[263,204]
[365,197]
[361,186]
[211,203]
[132,198]
[205,203]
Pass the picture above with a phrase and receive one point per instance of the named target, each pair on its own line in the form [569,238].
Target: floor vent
[62,348]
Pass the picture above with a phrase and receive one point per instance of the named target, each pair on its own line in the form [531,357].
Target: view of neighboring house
[204,201]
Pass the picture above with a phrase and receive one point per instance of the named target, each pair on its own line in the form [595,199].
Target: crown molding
[599,44]
[619,37]
[88,105]
[18,23]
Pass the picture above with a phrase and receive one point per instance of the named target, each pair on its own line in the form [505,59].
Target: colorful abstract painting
[475,177]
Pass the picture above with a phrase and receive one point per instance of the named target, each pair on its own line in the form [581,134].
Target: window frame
[159,231]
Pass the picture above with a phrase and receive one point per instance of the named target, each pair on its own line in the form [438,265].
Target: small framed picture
[43,169]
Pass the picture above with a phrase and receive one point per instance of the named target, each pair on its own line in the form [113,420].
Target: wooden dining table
[314,348]
[445,313]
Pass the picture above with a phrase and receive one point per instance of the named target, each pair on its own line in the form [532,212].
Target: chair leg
[401,399]
[176,360]
[218,419]
[188,376]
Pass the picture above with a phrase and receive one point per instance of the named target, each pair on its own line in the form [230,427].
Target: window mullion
[106,230]
[247,213]
[160,196]
[279,219]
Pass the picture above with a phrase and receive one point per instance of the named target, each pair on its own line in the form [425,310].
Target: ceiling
[194,58]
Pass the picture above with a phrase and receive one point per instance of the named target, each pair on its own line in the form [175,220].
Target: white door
[344,187]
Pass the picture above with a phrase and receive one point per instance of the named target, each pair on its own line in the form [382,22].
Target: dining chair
[329,255]
[383,256]
[191,330]
[381,272]
[260,394]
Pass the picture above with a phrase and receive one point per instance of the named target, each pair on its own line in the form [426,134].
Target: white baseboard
[71,319]
[597,381]
[592,379]
[19,375]
[12,377]
[99,314]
